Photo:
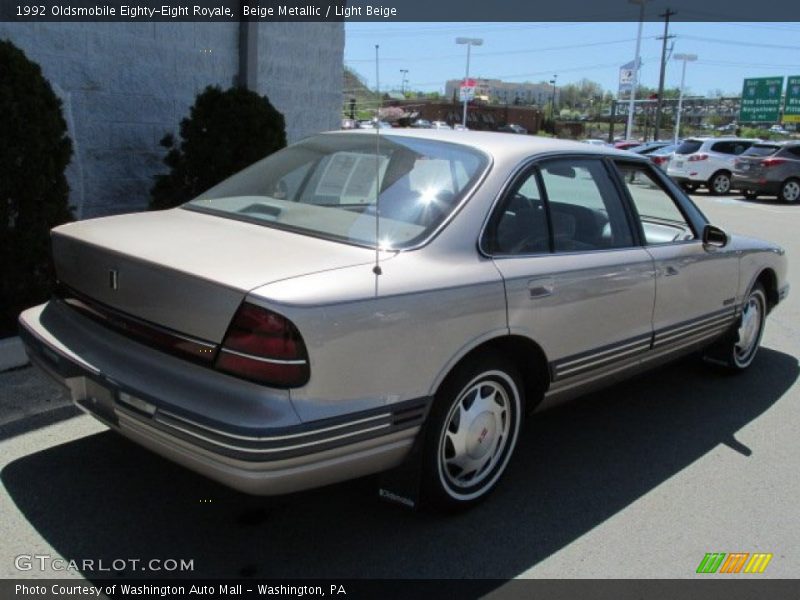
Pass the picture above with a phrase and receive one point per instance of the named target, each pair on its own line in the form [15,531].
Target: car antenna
[377,268]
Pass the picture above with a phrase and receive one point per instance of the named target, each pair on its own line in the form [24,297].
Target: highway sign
[761,100]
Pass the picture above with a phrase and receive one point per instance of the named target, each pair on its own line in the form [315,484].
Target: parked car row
[725,164]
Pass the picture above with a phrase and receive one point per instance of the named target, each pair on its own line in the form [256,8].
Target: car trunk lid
[183,270]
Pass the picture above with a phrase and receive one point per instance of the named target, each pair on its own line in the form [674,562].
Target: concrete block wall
[125,85]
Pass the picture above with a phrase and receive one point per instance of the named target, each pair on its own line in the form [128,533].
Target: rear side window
[731,147]
[689,147]
[793,152]
[520,224]
[761,150]
[586,212]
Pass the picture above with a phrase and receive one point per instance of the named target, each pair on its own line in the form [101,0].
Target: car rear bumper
[749,184]
[266,450]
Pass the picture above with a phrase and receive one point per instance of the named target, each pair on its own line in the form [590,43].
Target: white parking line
[746,204]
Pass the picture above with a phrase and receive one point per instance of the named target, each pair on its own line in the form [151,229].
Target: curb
[12,354]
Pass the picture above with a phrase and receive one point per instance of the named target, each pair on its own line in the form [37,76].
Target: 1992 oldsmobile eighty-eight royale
[257,336]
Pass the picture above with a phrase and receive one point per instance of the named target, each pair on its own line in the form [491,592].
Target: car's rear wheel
[471,433]
[790,190]
[738,350]
[720,183]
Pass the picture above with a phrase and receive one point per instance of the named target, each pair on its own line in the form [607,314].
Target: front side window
[662,220]
[327,186]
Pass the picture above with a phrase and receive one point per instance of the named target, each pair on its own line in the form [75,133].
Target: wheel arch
[524,353]
[769,280]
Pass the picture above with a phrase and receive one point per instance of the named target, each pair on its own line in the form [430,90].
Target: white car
[593,142]
[707,162]
[440,125]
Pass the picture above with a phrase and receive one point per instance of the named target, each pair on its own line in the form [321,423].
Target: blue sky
[728,52]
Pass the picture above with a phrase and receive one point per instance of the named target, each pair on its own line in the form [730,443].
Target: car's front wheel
[738,350]
[471,433]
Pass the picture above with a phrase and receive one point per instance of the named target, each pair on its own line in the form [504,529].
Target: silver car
[362,301]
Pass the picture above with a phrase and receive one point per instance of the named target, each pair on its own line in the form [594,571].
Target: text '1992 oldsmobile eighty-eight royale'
[359,294]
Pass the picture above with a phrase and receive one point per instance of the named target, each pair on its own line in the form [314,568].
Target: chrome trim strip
[271,438]
[273,361]
[592,357]
[125,316]
[704,327]
[598,363]
[698,323]
[280,449]
[693,336]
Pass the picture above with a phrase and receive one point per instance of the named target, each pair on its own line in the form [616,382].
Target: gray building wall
[125,85]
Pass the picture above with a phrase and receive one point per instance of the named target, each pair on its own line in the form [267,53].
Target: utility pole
[660,99]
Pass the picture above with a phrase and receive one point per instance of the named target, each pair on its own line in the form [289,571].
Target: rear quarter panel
[377,340]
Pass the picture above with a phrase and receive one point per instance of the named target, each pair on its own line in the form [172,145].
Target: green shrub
[225,132]
[34,151]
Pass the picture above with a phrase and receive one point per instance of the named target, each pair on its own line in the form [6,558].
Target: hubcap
[721,184]
[749,329]
[476,434]
[791,191]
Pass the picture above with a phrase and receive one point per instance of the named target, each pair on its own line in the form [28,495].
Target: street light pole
[685,58]
[635,82]
[553,103]
[469,42]
[403,73]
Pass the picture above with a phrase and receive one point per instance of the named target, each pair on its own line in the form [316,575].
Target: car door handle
[541,288]
[670,271]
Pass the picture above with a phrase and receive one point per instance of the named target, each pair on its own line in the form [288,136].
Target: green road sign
[761,100]
[791,108]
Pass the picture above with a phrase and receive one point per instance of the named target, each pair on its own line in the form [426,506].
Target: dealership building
[125,85]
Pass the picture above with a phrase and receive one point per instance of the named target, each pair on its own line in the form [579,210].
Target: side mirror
[714,236]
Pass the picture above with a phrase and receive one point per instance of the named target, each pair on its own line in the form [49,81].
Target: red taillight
[772,162]
[265,347]
[659,159]
[696,157]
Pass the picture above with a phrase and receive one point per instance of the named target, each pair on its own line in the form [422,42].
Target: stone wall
[125,85]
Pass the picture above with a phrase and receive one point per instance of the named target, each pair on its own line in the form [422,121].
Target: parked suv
[707,162]
[769,169]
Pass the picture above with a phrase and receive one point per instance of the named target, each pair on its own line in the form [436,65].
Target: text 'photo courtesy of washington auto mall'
[399,300]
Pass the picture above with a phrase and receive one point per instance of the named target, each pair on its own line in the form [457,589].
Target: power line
[504,52]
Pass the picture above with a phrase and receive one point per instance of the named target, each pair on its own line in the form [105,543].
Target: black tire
[790,191]
[737,350]
[720,183]
[750,194]
[492,388]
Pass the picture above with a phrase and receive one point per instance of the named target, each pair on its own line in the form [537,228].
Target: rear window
[327,186]
[761,150]
[689,147]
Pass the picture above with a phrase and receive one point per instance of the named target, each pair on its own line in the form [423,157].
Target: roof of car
[497,144]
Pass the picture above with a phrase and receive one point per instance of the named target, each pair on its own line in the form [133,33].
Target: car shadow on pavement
[102,497]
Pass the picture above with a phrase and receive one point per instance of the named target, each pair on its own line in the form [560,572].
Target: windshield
[761,150]
[326,186]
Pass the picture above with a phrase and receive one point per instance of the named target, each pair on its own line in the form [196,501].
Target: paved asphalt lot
[640,480]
